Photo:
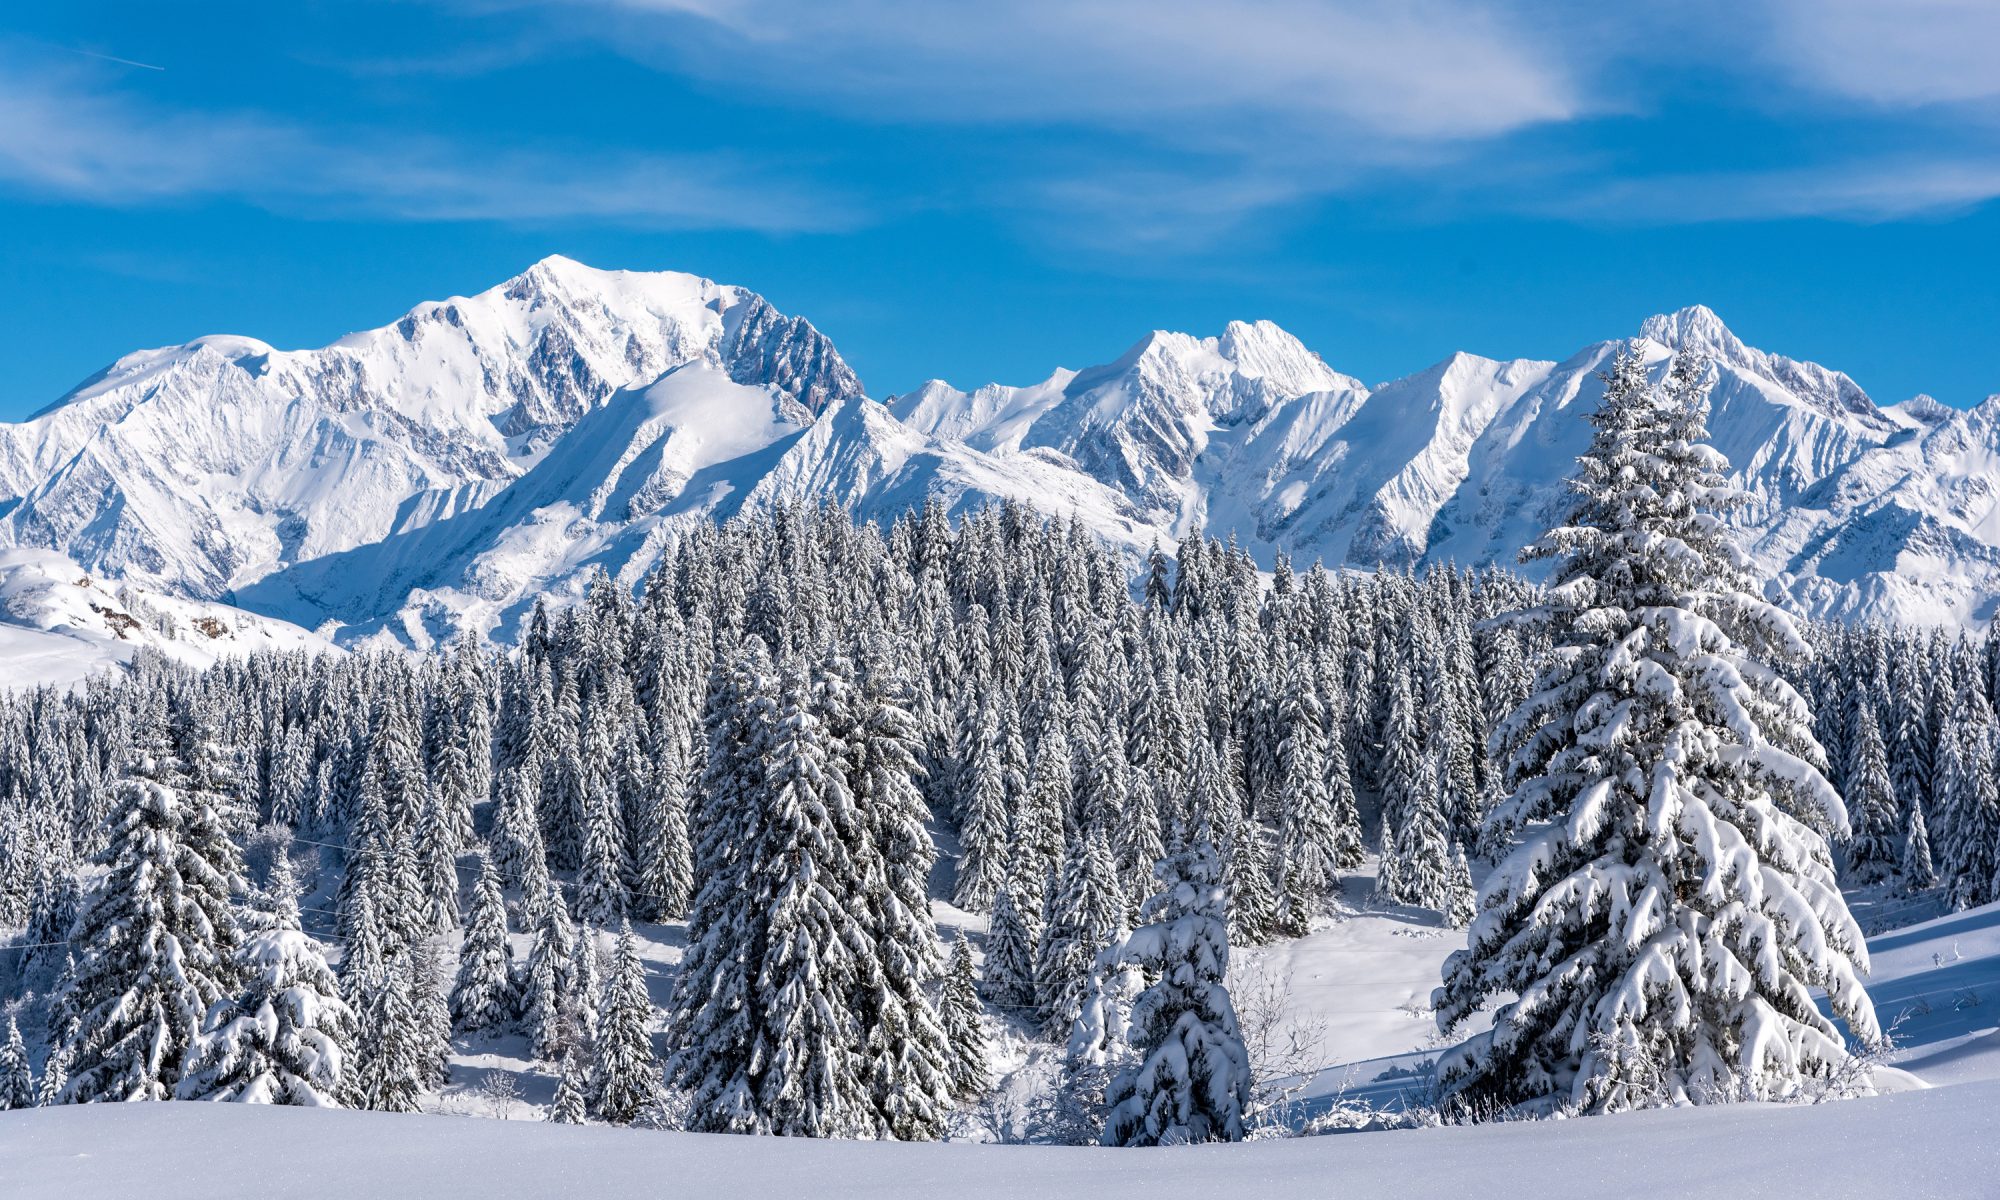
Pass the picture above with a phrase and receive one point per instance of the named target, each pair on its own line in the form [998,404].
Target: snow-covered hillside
[59,624]
[1914,1144]
[437,474]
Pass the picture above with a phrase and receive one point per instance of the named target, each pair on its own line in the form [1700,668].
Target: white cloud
[1170,69]
[1905,52]
[1880,189]
[61,136]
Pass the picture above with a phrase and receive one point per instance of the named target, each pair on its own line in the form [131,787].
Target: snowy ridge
[433,475]
[59,624]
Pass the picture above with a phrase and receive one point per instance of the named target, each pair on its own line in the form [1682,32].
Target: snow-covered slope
[436,474]
[1937,1143]
[58,624]
[1860,511]
[205,467]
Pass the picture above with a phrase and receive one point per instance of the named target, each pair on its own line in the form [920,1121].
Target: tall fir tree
[483,996]
[1190,1081]
[1871,805]
[960,1013]
[17,1075]
[1662,929]
[627,1074]
[159,937]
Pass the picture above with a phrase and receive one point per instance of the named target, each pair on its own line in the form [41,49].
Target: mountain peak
[1695,328]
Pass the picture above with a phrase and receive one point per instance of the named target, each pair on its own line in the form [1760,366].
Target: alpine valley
[435,476]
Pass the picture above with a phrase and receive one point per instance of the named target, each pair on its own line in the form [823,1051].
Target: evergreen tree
[159,938]
[1918,873]
[17,1077]
[1674,904]
[1085,913]
[982,833]
[763,1034]
[664,881]
[1871,853]
[1009,972]
[286,1038]
[601,896]
[567,1108]
[544,990]
[905,1055]
[1967,774]
[627,1074]
[1418,867]
[1191,1078]
[1308,831]
[390,1070]
[960,1013]
[430,1008]
[483,995]
[55,1078]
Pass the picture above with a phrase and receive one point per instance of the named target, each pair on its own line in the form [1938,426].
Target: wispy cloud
[1911,52]
[1171,69]
[68,134]
[1875,189]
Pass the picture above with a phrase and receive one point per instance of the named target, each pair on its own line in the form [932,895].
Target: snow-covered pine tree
[664,880]
[1871,805]
[960,1014]
[586,991]
[1308,832]
[983,821]
[1417,868]
[1009,972]
[17,1076]
[1674,902]
[568,1105]
[436,867]
[483,995]
[1085,913]
[390,1070]
[545,989]
[430,1008]
[601,894]
[1967,776]
[159,936]
[1191,1078]
[627,1075]
[287,1036]
[55,1077]
[1918,872]
[517,831]
[762,1033]
[905,1055]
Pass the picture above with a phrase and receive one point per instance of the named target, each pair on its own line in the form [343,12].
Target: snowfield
[1914,1145]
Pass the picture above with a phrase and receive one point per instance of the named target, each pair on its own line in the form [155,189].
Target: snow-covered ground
[1939,1143]
[59,624]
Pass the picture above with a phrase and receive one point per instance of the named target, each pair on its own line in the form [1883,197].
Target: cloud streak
[1171,69]
[64,135]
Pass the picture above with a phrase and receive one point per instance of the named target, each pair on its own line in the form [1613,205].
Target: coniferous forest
[894,797]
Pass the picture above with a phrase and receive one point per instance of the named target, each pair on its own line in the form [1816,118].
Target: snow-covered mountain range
[437,474]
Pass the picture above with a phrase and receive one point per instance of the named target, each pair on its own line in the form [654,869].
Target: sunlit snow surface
[1937,1143]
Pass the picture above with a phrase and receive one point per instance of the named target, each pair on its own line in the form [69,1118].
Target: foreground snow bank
[1940,1142]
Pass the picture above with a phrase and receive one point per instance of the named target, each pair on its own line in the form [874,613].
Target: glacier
[435,476]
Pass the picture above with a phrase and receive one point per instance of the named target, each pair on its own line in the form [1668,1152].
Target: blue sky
[985,192]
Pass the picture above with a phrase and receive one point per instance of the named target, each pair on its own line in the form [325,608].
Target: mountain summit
[437,473]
